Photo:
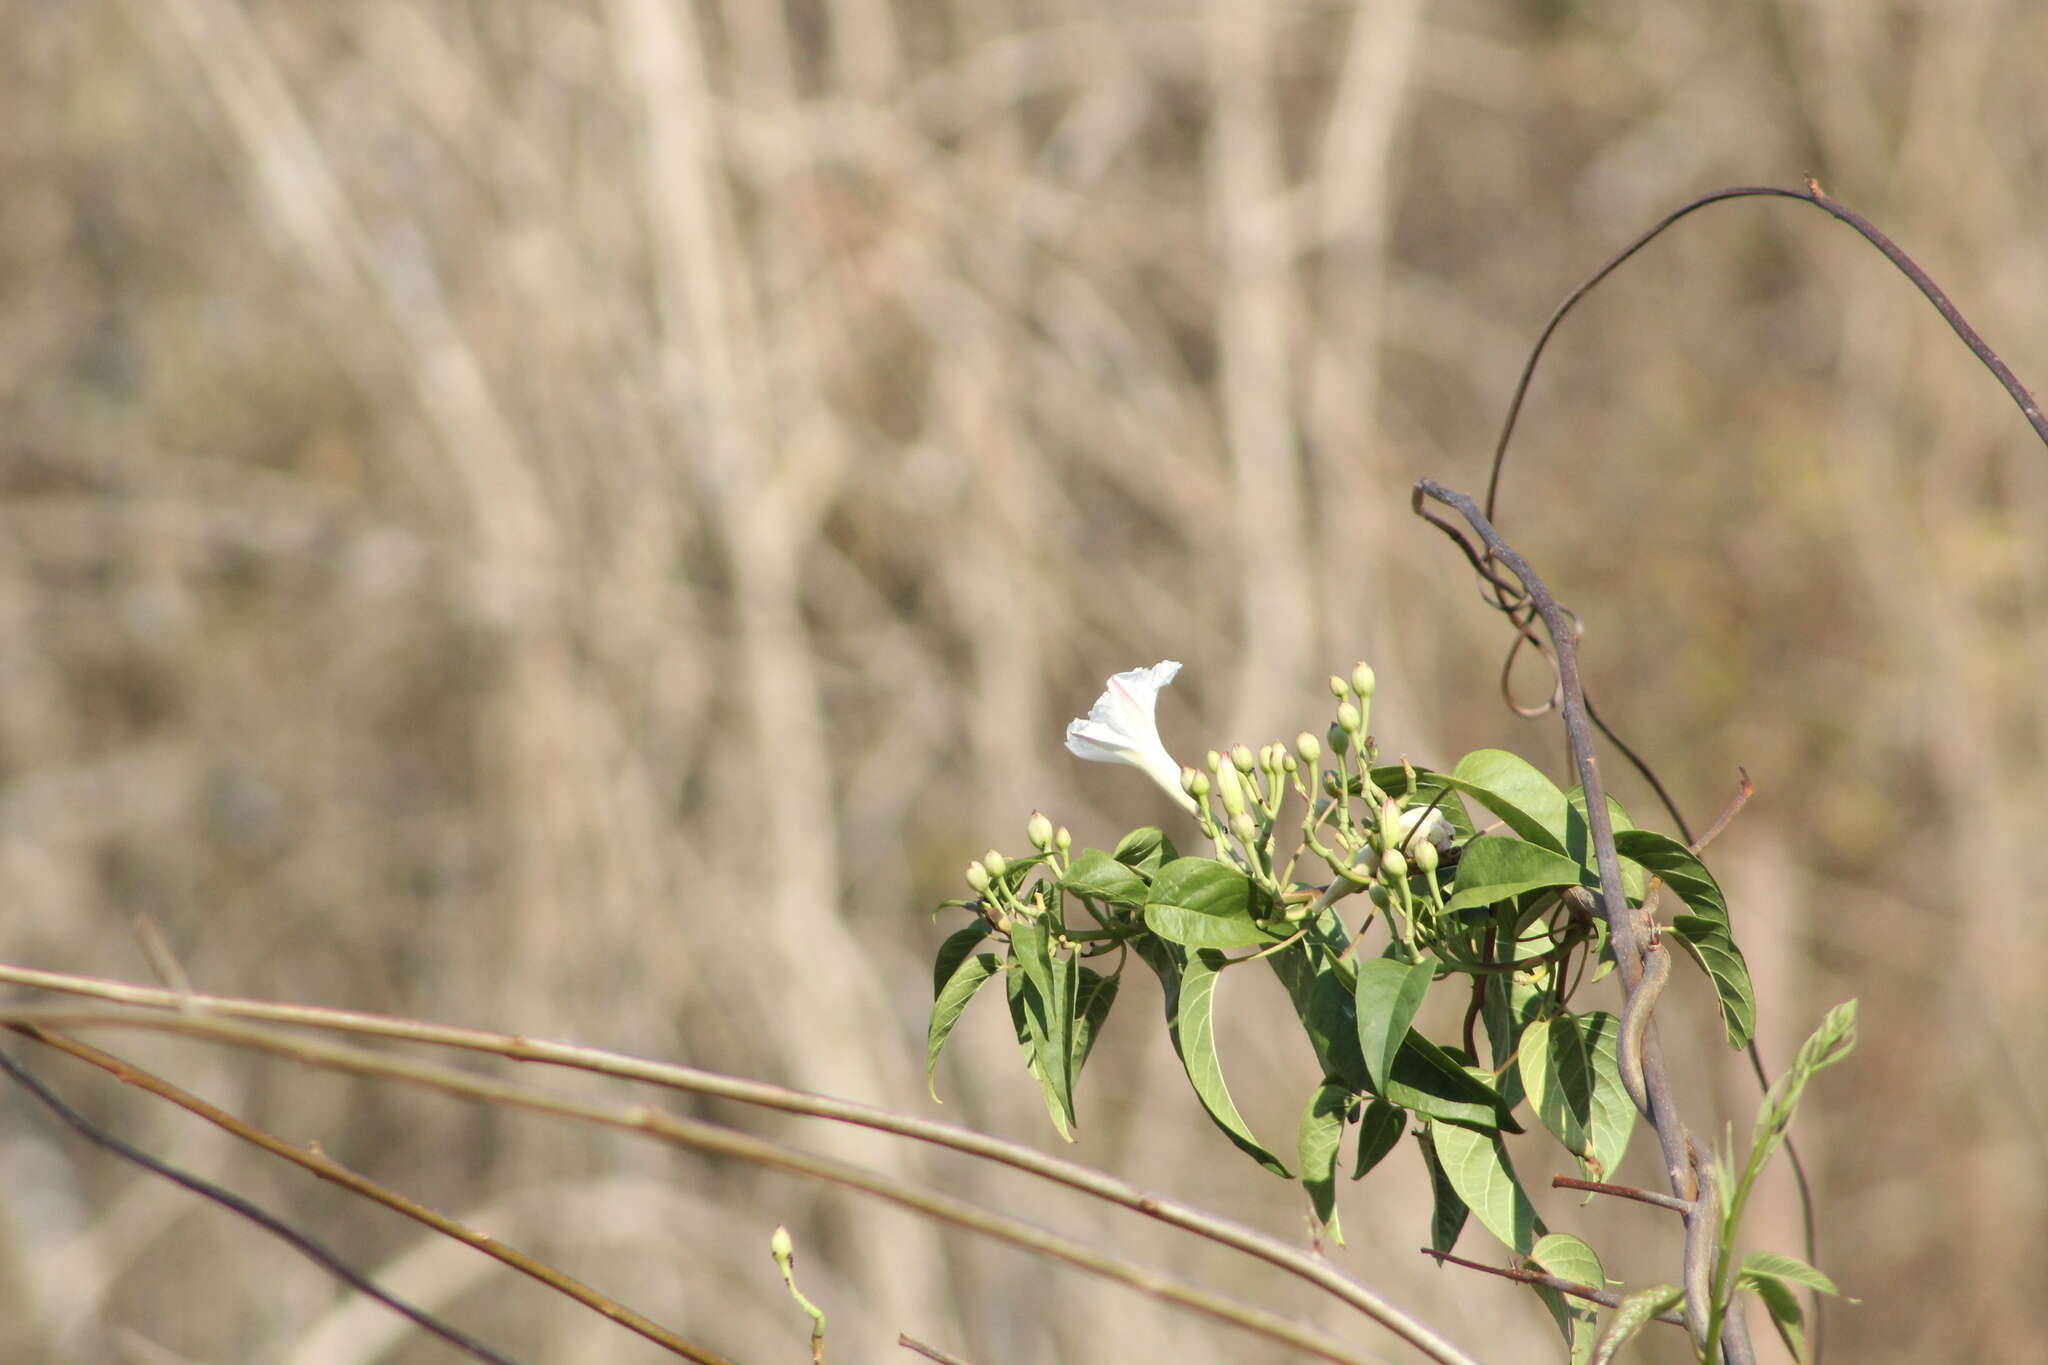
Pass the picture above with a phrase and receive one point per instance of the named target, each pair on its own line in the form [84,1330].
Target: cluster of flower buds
[989,875]
[1236,796]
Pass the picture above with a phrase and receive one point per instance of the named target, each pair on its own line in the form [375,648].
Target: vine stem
[1629,944]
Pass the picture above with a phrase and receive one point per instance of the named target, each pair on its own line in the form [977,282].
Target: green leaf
[1026,1014]
[1316,1141]
[1447,1218]
[1787,1314]
[1530,803]
[1568,1258]
[1507,1007]
[1144,851]
[1776,1266]
[1708,943]
[1093,995]
[1378,1131]
[1614,1113]
[959,973]
[1094,873]
[1189,982]
[1635,1313]
[1492,869]
[1705,933]
[1436,1085]
[1557,1075]
[1830,1043]
[1772,1278]
[1331,1022]
[1202,903]
[1479,1170]
[1031,948]
[1387,994]
[1047,1009]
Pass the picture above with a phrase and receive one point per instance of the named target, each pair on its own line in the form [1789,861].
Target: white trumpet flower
[1123,727]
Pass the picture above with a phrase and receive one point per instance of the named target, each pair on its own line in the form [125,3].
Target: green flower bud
[995,862]
[1230,789]
[1339,741]
[1393,865]
[1063,838]
[977,878]
[1331,787]
[1287,763]
[1309,747]
[1244,827]
[1038,830]
[1201,787]
[1362,680]
[781,1246]
[1378,894]
[1241,759]
[1339,688]
[1349,719]
[1214,760]
[1425,857]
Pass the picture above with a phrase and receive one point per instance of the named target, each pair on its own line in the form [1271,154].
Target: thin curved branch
[691,1080]
[307,1246]
[328,1169]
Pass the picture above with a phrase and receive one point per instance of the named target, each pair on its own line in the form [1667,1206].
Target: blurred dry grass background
[480,481]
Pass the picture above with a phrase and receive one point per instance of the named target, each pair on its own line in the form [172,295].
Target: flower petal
[1123,727]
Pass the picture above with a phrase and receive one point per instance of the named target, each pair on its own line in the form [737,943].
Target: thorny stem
[1661,1107]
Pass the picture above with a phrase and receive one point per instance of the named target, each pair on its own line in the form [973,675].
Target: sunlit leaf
[1568,1258]
[1557,1075]
[1635,1313]
[1777,1266]
[1707,942]
[1705,933]
[1145,851]
[1095,873]
[1203,903]
[1492,869]
[960,972]
[1189,981]
[1614,1113]
[1507,1007]
[1510,787]
[1479,1170]
[1093,995]
[1027,1010]
[1317,1139]
[1387,995]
